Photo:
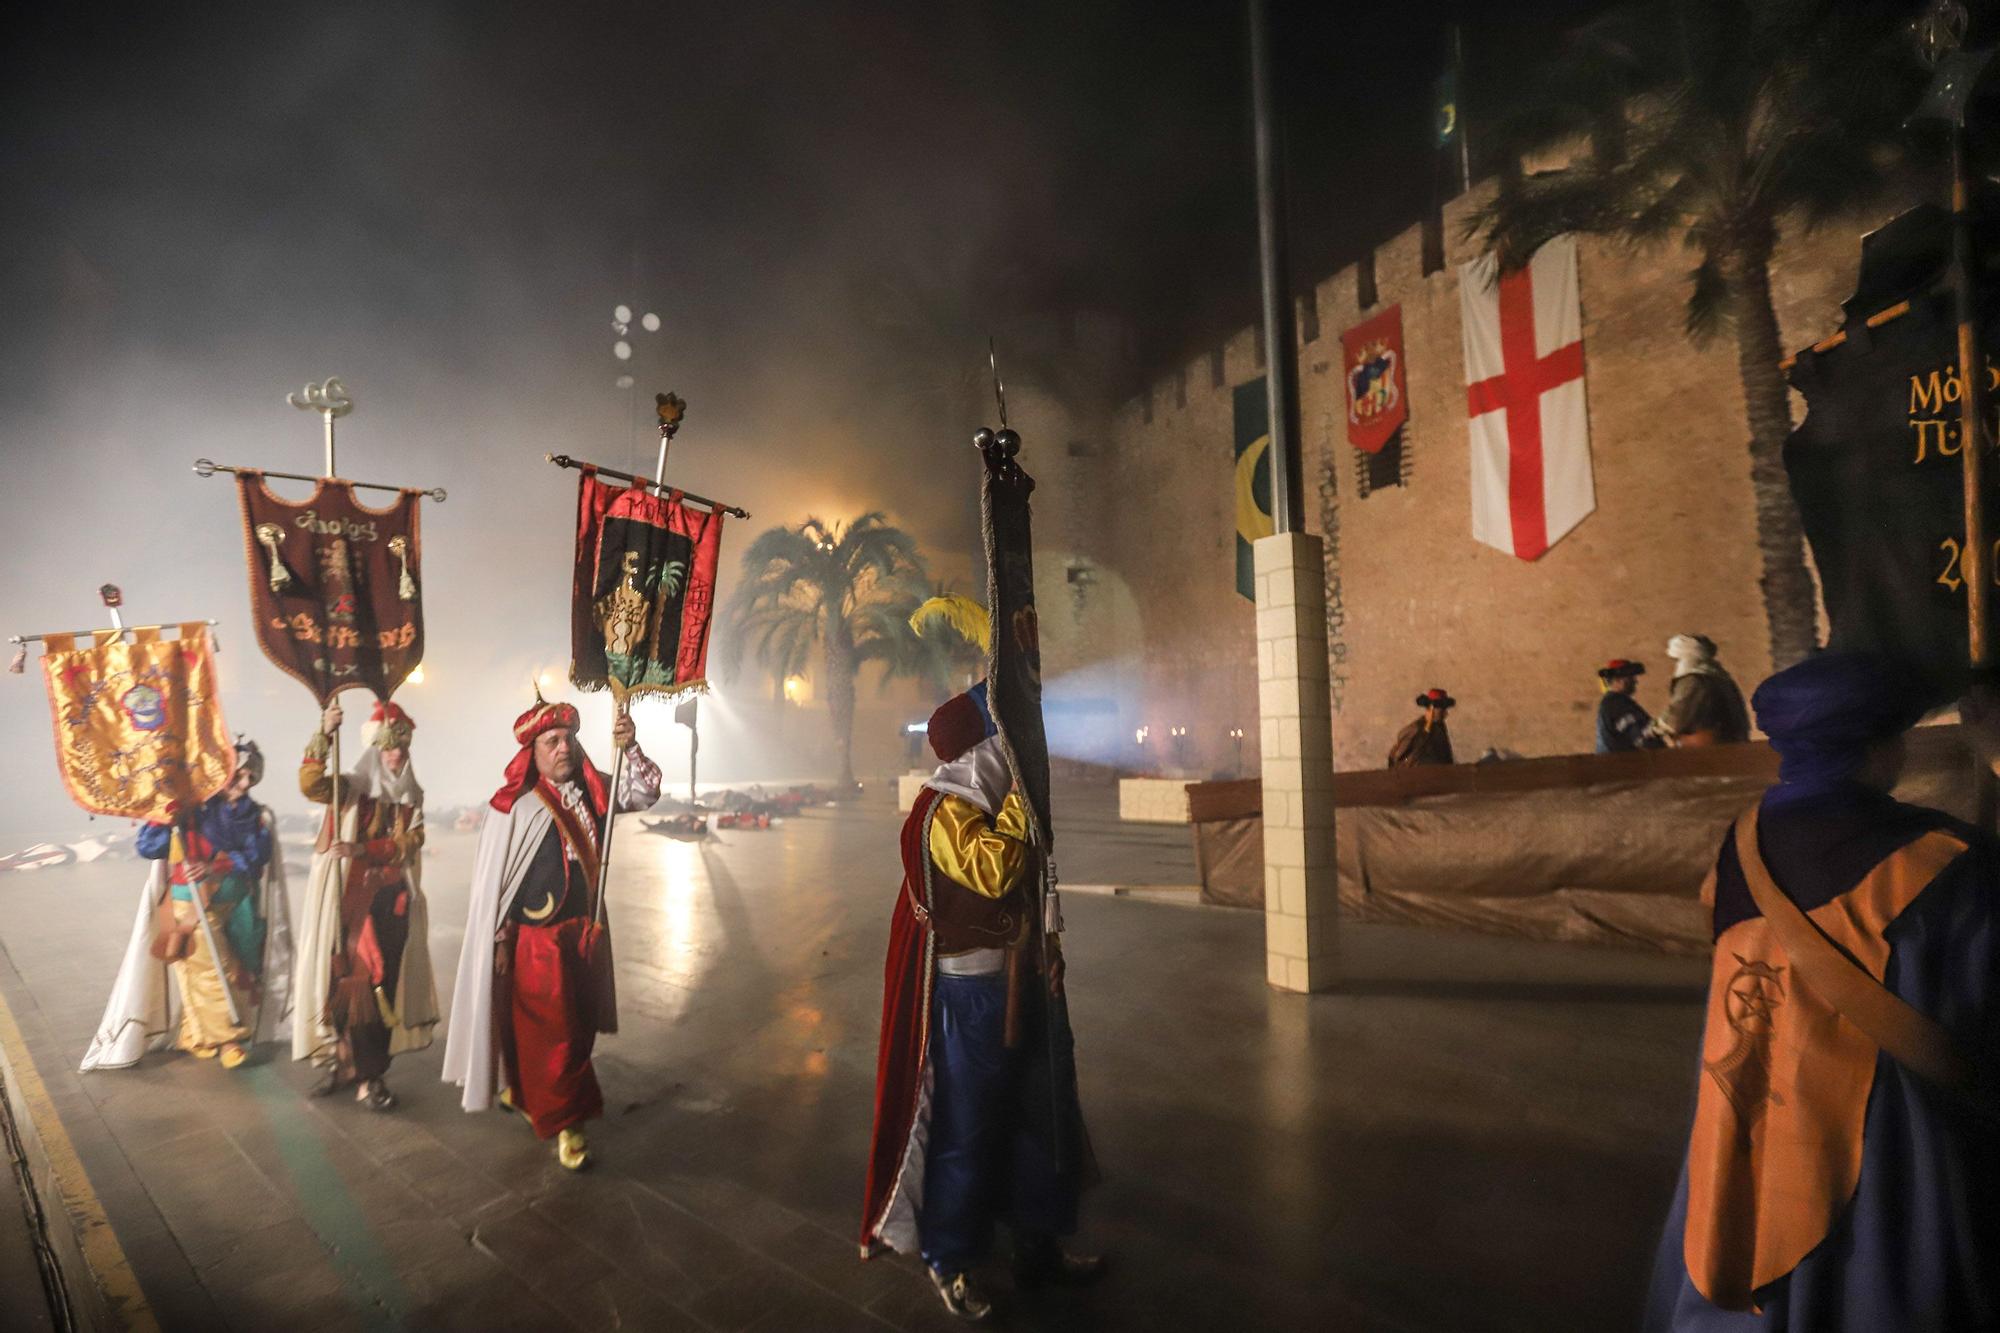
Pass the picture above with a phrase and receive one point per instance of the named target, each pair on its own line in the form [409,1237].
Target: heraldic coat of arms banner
[643,592]
[336,588]
[138,725]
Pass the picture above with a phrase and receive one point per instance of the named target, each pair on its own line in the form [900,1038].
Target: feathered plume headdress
[961,613]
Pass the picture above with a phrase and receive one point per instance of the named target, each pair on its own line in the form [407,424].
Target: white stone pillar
[1295,716]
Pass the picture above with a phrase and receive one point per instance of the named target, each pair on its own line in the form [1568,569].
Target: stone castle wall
[1144,505]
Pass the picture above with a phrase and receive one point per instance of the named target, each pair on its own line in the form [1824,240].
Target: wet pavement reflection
[1474,1133]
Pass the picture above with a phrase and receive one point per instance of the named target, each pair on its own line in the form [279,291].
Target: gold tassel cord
[270,534]
[961,613]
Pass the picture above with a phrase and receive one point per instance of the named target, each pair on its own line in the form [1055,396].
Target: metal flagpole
[670,422]
[1940,38]
[330,400]
[1458,108]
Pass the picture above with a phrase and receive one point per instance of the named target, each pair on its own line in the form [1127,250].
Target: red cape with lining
[906,990]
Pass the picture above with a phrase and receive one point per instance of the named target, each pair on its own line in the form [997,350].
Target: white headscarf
[1693,654]
[373,780]
[980,775]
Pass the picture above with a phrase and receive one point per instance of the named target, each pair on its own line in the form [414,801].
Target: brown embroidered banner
[335,586]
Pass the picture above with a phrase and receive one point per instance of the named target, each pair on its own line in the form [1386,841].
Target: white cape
[313,1038]
[507,844]
[144,1009]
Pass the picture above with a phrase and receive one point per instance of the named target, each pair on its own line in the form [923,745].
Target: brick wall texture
[1145,505]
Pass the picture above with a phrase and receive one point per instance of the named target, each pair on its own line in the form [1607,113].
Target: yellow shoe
[233,1056]
[571,1150]
[203,1052]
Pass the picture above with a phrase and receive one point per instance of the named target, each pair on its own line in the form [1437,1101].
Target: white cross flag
[1530,425]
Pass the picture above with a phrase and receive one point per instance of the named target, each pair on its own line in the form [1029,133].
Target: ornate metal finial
[671,408]
[1941,30]
[999,389]
[204,467]
[329,399]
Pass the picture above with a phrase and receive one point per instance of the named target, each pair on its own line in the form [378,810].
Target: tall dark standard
[1281,342]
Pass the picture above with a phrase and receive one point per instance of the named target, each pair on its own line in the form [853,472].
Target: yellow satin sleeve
[984,857]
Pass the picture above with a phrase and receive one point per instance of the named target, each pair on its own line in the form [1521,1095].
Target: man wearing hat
[363,987]
[534,974]
[976,1111]
[1842,1171]
[1622,724]
[1425,741]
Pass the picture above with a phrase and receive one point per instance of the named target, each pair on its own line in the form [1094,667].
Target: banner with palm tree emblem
[643,591]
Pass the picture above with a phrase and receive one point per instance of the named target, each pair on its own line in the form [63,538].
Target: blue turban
[978,693]
[1824,714]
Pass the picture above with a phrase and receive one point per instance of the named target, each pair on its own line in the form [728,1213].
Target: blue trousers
[1006,1132]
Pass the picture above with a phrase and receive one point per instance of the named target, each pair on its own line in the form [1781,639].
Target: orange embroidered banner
[138,725]
[335,587]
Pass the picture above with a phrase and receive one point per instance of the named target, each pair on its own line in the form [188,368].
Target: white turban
[1692,653]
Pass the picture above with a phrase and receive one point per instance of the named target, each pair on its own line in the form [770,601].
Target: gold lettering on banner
[336,527]
[1936,430]
[1952,577]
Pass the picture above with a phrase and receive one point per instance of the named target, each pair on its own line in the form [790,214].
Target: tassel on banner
[19,663]
[270,534]
[406,587]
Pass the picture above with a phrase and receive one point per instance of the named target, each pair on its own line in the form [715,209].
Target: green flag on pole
[1253,479]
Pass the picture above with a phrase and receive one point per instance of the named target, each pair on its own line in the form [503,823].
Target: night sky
[828,205]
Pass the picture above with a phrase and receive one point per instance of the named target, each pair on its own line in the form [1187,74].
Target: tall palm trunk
[840,688]
[1790,612]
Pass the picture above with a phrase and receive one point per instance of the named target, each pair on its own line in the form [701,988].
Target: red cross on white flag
[1531,481]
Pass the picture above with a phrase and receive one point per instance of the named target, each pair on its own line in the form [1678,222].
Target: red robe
[907,977]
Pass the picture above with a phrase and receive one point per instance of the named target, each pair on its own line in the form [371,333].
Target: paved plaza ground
[1472,1133]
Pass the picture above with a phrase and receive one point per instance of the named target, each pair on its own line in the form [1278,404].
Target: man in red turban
[534,976]
[363,986]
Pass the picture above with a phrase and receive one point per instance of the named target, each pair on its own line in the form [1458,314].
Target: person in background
[1426,740]
[1622,725]
[1704,706]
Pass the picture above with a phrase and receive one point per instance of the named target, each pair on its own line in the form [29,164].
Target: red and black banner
[1014,668]
[643,590]
[336,588]
[1378,399]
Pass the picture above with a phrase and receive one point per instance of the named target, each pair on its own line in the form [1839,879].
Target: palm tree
[1718,123]
[847,589]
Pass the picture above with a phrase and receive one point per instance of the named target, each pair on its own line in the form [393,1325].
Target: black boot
[1042,1262]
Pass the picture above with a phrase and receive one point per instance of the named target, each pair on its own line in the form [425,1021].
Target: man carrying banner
[226,858]
[976,1112]
[364,988]
[534,975]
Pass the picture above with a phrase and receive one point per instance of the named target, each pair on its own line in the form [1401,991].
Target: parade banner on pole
[138,725]
[1530,423]
[1378,400]
[1014,663]
[1875,467]
[642,591]
[336,588]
